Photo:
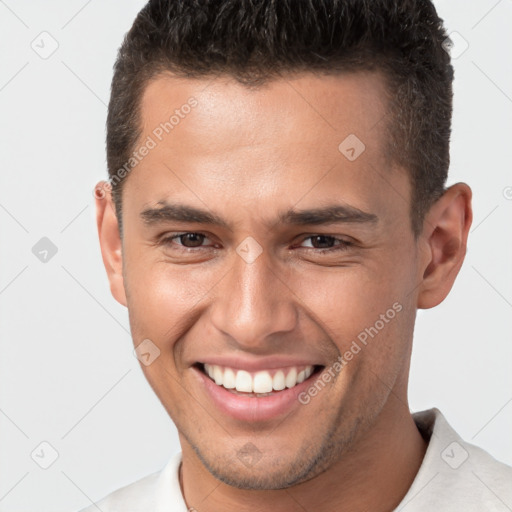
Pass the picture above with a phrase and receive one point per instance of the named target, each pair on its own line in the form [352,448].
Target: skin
[246,155]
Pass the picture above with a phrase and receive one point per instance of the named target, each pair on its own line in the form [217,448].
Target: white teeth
[217,375]
[278,382]
[260,382]
[291,378]
[229,378]
[243,381]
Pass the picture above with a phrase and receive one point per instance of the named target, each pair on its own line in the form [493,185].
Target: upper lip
[258,364]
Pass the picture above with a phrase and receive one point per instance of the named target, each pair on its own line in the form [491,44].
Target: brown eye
[187,242]
[325,242]
[322,241]
[191,239]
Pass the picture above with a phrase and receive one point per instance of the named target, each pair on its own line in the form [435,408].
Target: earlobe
[445,234]
[110,241]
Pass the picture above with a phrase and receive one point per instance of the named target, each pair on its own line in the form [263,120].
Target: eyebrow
[166,212]
[328,215]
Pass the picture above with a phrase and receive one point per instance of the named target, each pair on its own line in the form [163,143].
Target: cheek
[162,298]
[346,300]
[365,311]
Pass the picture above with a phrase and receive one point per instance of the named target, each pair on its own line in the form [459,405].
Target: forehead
[267,146]
[306,107]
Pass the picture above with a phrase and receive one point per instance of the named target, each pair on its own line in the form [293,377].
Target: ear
[110,240]
[445,234]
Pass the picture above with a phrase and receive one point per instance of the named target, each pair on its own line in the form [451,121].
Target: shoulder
[455,474]
[156,492]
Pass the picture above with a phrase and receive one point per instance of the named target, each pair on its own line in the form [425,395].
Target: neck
[375,475]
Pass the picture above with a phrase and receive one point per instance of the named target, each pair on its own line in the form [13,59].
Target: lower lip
[252,408]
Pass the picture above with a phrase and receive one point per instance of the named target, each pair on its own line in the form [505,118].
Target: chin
[251,469]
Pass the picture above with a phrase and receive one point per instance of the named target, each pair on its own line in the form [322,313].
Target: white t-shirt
[454,476]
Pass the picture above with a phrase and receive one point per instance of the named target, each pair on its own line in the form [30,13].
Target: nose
[254,307]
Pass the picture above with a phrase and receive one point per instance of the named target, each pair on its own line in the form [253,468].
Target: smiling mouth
[261,383]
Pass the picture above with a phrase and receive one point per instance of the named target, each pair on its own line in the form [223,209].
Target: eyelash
[343,245]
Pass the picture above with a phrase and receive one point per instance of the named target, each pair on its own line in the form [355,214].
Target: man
[276,214]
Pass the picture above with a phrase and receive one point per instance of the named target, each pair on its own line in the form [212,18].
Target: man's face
[268,289]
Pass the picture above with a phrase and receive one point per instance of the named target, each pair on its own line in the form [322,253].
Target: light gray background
[67,373]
